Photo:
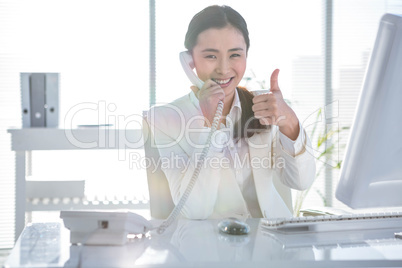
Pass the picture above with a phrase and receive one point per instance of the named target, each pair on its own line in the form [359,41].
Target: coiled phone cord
[176,211]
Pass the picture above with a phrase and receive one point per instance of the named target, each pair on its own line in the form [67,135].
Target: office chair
[160,199]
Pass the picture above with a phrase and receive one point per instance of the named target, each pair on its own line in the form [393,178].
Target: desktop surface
[200,244]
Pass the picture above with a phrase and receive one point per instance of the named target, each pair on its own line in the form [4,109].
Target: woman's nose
[223,67]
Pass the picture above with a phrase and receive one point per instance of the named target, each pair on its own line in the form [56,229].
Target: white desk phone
[112,228]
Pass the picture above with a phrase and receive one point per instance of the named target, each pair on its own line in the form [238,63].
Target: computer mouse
[233,226]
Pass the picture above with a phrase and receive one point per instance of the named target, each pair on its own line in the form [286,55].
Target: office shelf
[52,204]
[53,195]
[30,139]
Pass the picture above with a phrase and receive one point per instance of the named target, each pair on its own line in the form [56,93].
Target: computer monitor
[371,173]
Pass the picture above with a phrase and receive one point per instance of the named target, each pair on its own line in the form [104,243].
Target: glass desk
[200,244]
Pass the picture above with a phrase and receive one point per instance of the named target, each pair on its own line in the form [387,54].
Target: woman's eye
[235,55]
[210,57]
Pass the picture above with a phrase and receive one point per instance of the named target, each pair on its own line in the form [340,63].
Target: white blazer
[179,134]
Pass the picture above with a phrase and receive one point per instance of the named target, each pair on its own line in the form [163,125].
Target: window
[100,49]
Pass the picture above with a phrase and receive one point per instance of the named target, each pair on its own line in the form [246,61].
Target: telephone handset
[188,65]
[187,62]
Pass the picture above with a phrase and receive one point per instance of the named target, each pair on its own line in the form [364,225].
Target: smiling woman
[217,38]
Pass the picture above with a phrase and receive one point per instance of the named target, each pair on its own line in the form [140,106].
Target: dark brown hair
[214,17]
[248,123]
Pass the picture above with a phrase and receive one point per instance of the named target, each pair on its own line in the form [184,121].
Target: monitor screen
[371,173]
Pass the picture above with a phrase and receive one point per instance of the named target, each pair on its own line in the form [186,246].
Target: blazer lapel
[230,201]
[271,203]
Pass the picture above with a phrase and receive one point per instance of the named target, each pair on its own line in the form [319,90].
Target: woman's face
[220,55]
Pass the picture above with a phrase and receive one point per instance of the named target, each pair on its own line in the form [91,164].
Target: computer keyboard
[334,222]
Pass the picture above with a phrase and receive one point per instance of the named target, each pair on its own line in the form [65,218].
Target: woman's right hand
[209,96]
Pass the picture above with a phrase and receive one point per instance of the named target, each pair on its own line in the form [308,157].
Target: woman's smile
[223,82]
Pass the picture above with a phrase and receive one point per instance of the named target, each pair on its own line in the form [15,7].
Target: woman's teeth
[221,82]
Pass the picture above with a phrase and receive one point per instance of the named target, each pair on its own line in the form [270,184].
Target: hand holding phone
[203,94]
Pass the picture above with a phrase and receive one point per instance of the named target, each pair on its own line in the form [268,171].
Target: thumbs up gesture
[271,109]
